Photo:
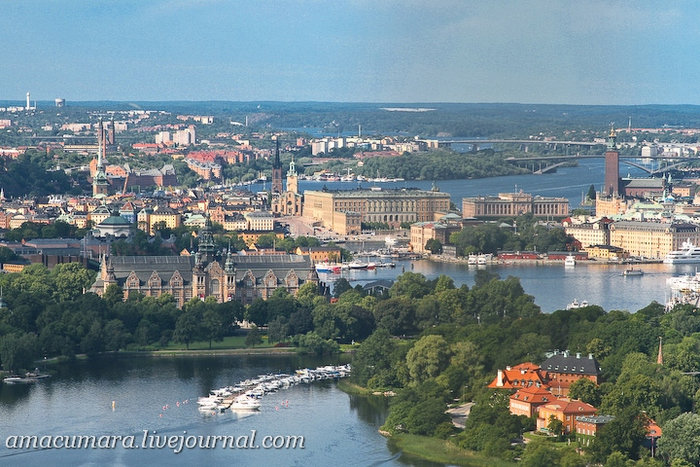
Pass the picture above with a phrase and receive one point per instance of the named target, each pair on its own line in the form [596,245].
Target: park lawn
[229,342]
[443,452]
[352,388]
[557,444]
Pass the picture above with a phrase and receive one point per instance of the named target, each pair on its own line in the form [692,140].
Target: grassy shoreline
[353,389]
[426,447]
[441,451]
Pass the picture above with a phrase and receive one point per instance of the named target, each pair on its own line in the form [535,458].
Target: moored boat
[29,377]
[688,254]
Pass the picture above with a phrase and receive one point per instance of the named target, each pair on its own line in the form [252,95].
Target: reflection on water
[370,409]
[160,394]
[553,285]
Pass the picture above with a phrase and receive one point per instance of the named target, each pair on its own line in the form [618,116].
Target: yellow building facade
[652,239]
[338,210]
[513,205]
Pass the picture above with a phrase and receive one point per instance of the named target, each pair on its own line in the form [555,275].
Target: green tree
[307,293]
[254,337]
[680,439]
[540,453]
[586,390]
[434,246]
[257,312]
[616,459]
[277,329]
[341,286]
[212,326]
[113,295]
[427,358]
[315,344]
[411,285]
[625,433]
[555,426]
[18,351]
[186,328]
[116,335]
[591,195]
[6,255]
[375,360]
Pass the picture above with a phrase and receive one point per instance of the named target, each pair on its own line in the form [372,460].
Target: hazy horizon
[411,51]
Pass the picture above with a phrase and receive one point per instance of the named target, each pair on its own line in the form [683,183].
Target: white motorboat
[245,403]
[575,304]
[570,261]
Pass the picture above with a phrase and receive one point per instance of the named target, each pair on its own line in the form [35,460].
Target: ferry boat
[570,261]
[632,272]
[688,253]
[328,267]
[481,259]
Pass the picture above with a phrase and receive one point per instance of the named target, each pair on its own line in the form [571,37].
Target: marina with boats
[245,396]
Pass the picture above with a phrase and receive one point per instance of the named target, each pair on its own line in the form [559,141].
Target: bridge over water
[477,141]
[558,161]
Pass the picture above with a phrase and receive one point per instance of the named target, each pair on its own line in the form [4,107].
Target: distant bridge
[476,142]
[566,159]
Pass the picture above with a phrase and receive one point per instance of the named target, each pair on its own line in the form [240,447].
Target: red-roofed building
[526,400]
[519,376]
[566,411]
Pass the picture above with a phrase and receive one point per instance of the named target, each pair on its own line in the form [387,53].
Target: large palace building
[652,239]
[242,278]
[344,211]
[513,205]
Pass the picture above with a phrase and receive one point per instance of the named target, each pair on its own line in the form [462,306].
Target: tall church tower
[100,183]
[612,167]
[292,178]
[277,170]
[207,246]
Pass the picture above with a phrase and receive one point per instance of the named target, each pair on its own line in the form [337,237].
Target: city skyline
[307,50]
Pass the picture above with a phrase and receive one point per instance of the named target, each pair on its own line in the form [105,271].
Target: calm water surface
[338,428]
[567,182]
[553,285]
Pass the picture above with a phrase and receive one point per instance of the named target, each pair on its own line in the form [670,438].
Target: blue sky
[529,51]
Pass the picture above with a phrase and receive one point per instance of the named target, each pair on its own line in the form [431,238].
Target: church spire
[206,242]
[277,169]
[276,163]
[292,172]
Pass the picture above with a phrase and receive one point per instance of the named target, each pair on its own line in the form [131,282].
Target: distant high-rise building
[277,170]
[28,105]
[185,137]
